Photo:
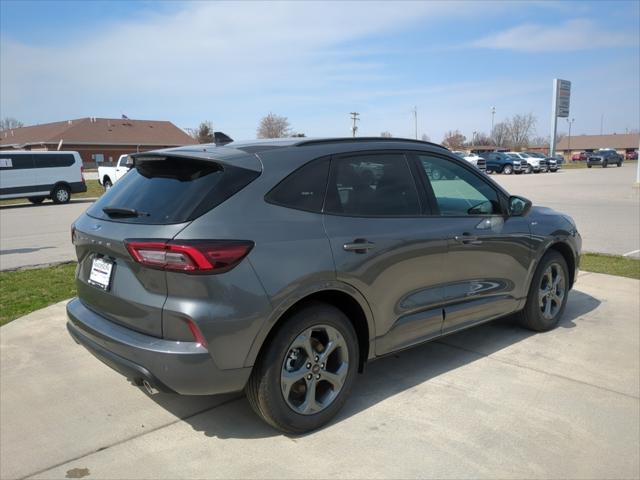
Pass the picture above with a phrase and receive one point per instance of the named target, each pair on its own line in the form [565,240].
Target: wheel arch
[105,178]
[60,183]
[343,297]
[567,253]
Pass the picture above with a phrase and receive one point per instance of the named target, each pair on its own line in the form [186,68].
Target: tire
[61,194]
[619,164]
[588,166]
[545,306]
[106,183]
[507,169]
[36,200]
[286,350]
[529,169]
[605,165]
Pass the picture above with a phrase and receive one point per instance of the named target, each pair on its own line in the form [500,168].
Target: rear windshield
[173,190]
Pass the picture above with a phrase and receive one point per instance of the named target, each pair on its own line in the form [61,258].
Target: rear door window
[52,160]
[372,185]
[173,190]
[16,161]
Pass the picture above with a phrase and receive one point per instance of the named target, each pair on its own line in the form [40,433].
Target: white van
[37,175]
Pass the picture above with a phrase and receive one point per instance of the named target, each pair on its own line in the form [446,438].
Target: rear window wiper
[123,212]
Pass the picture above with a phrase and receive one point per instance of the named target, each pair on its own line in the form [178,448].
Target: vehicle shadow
[45,204]
[23,250]
[232,417]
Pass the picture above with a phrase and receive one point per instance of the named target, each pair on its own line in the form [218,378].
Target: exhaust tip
[151,390]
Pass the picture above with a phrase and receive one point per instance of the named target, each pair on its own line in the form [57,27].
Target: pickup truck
[107,176]
[473,159]
[502,163]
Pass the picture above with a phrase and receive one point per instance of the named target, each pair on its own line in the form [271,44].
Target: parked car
[579,157]
[559,158]
[500,162]
[282,267]
[604,158]
[107,175]
[38,175]
[473,158]
[534,164]
[552,163]
[631,155]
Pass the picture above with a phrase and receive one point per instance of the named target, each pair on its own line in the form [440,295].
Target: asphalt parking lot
[603,202]
[495,401]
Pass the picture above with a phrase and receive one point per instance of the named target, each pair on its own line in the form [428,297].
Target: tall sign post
[559,108]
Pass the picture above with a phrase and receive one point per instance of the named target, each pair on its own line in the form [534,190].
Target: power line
[355,117]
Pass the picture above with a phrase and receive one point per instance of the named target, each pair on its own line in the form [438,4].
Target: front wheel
[619,164]
[305,373]
[605,165]
[548,294]
[507,169]
[61,194]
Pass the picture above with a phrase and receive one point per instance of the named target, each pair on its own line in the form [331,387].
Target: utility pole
[355,117]
[570,122]
[415,120]
[493,114]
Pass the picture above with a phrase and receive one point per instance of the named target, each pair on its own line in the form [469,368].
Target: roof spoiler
[220,138]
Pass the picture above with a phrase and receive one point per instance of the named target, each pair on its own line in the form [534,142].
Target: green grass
[610,264]
[24,291]
[93,190]
[573,165]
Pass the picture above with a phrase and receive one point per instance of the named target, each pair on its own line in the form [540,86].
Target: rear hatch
[151,204]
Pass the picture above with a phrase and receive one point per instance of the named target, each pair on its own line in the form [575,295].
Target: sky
[231,63]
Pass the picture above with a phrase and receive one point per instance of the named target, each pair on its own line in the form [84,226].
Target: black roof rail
[321,141]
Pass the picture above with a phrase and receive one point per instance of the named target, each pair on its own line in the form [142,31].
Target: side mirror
[518,206]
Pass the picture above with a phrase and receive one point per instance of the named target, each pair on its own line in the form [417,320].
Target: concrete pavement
[494,401]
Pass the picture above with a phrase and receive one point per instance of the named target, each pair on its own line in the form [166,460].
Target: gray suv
[282,267]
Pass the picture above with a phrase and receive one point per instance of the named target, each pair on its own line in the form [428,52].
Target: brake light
[190,256]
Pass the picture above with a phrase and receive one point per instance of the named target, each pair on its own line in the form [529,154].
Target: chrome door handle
[359,245]
[467,239]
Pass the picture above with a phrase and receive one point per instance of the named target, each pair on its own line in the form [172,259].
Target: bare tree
[386,134]
[454,140]
[9,123]
[500,134]
[539,141]
[273,126]
[521,127]
[483,139]
[425,138]
[202,134]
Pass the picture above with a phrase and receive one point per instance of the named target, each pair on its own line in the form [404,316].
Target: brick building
[97,140]
[623,143]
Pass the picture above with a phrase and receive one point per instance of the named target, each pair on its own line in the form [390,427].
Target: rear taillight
[191,256]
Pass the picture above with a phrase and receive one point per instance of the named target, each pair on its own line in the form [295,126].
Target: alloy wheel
[314,369]
[552,291]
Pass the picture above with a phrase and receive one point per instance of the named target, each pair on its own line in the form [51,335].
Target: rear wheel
[548,293]
[61,194]
[36,200]
[106,183]
[306,372]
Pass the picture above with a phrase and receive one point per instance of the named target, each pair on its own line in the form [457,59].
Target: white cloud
[206,53]
[580,34]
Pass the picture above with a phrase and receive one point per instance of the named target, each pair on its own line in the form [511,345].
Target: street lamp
[570,122]
[493,114]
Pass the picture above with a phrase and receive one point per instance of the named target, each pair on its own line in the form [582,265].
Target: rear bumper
[78,187]
[169,366]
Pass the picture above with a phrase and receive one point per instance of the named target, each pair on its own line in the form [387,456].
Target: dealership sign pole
[559,108]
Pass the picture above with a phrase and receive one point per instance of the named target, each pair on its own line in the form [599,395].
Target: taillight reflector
[191,256]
